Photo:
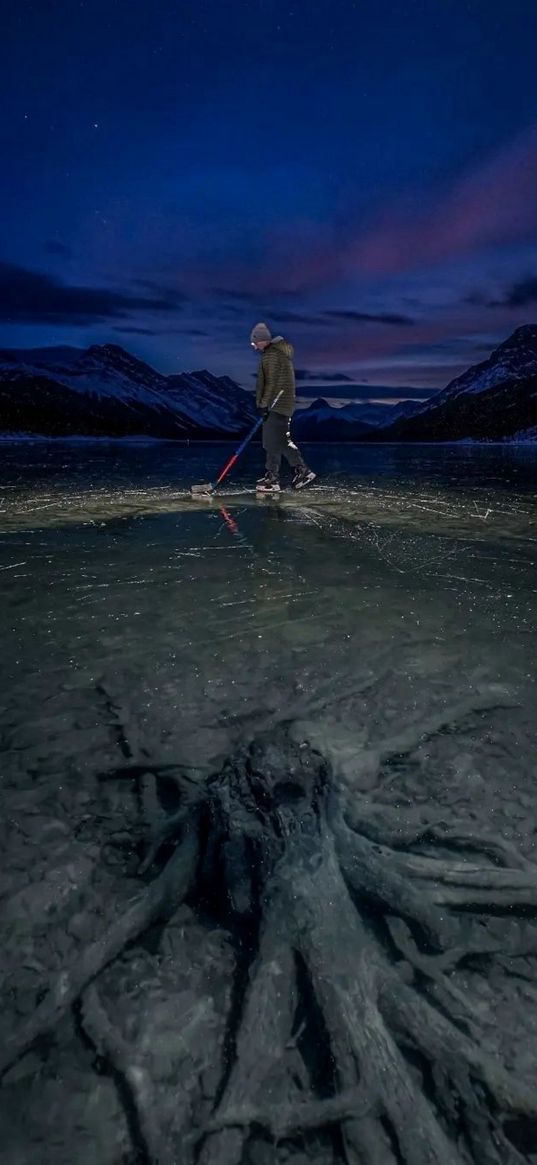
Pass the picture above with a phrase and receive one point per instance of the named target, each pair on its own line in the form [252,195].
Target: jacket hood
[283,345]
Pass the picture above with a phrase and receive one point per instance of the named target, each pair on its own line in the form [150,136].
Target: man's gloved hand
[264,413]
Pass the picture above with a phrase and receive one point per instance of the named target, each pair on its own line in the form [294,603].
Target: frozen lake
[422,561]
[385,619]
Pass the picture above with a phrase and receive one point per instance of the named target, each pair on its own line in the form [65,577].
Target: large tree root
[390,830]
[462,1071]
[371,876]
[160,898]
[290,1120]
[366,996]
[325,921]
[398,747]
[350,935]
[256,1076]
[130,1069]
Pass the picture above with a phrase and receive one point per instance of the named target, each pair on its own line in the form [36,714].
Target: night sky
[362,175]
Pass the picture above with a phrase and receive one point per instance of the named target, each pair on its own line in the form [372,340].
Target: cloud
[369,392]
[461,347]
[294,317]
[476,299]
[233,293]
[364,317]
[165,291]
[310,384]
[332,377]
[429,354]
[39,298]
[519,294]
[326,317]
[54,247]
[127,331]
[134,330]
[493,203]
[489,204]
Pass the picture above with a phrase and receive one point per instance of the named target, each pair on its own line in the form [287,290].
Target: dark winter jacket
[276,372]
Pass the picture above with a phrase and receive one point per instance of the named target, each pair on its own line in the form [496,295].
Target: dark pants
[277,443]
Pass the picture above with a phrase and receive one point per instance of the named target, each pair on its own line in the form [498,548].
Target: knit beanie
[260,333]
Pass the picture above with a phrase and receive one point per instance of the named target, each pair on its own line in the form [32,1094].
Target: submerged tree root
[130,1069]
[160,898]
[348,936]
[289,1120]
[259,1046]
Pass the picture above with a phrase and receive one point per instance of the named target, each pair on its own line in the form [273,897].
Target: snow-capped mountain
[104,391]
[211,401]
[351,422]
[515,359]
[495,400]
[322,422]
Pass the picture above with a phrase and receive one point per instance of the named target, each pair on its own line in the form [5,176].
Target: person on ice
[276,374]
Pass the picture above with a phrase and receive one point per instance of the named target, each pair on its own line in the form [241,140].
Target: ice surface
[141,628]
[204,615]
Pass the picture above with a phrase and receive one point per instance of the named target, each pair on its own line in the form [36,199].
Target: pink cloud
[491,204]
[355,344]
[494,203]
[431,353]
[291,260]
